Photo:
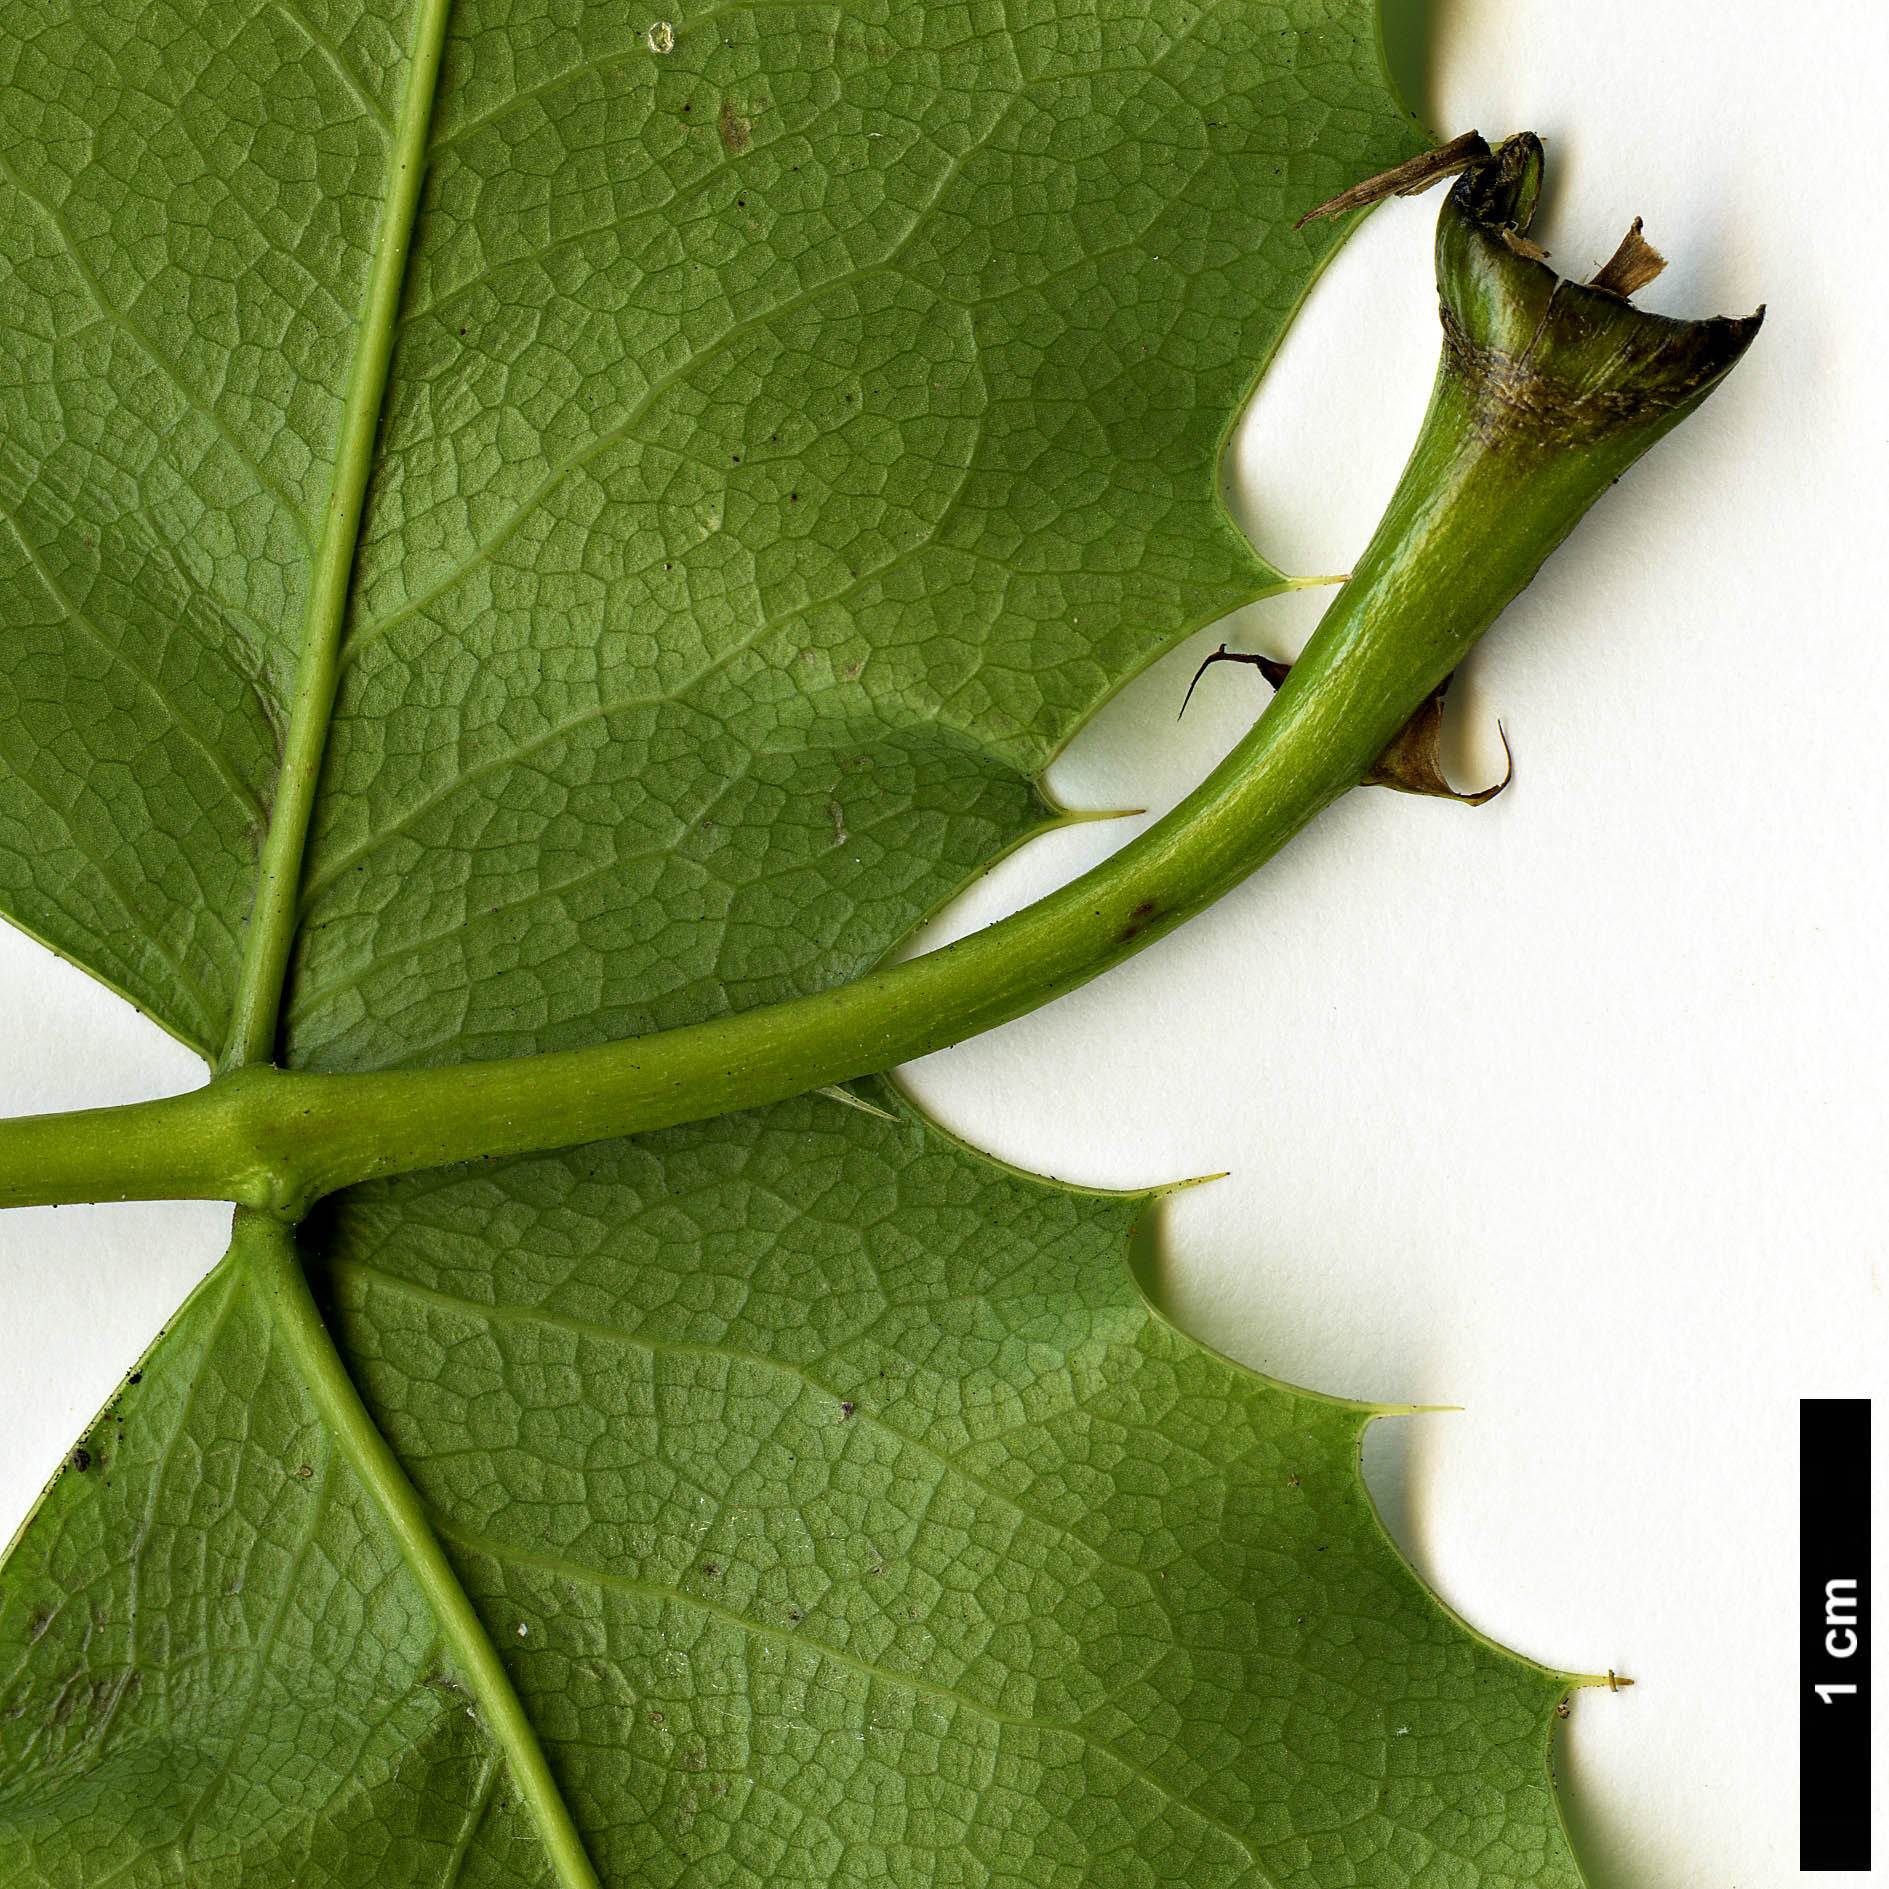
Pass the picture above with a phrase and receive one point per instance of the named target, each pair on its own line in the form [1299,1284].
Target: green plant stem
[265,1248]
[1547,392]
[279,870]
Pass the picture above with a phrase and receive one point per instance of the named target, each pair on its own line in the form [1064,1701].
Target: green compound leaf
[790,424]
[843,1516]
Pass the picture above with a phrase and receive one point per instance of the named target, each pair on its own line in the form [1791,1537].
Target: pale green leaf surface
[791,437]
[187,200]
[842,1515]
[216,1666]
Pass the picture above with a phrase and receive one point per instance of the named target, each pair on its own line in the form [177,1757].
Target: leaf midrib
[263,1248]
[256,1021]
[266,1249]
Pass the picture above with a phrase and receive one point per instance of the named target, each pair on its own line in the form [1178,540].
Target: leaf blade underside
[571,534]
[842,1515]
[799,420]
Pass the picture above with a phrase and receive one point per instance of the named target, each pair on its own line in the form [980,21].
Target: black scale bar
[1834,1634]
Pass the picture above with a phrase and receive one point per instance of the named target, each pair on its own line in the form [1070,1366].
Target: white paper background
[1570,1109]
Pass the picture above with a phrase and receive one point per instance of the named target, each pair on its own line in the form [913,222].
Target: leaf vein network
[109,878]
[343,69]
[732,1354]
[117,652]
[305,999]
[117,319]
[638,48]
[505,1553]
[763,627]
[372,633]
[318,1497]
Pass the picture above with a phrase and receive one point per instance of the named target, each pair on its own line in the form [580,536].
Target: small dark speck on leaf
[846,1410]
[710,1568]
[137,1377]
[81,1458]
[795,1615]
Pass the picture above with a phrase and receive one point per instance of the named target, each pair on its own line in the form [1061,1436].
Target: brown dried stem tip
[1631,267]
[1409,179]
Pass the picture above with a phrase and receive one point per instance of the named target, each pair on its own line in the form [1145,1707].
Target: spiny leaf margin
[837,1506]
